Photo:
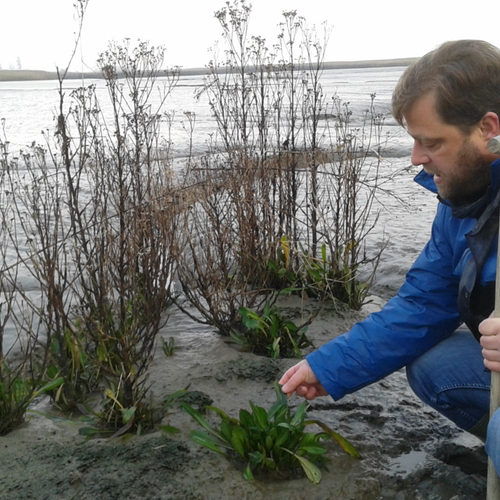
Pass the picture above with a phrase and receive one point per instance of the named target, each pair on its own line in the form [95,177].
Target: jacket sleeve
[423,313]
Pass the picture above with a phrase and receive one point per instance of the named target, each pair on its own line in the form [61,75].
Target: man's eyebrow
[417,137]
[425,138]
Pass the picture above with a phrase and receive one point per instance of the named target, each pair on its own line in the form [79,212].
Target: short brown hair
[465,76]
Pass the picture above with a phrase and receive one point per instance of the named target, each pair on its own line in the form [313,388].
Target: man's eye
[430,144]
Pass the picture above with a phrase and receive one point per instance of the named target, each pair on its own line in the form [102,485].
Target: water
[28,108]
[406,464]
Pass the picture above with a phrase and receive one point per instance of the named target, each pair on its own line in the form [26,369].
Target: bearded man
[438,325]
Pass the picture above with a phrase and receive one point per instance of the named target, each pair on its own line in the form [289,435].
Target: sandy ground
[409,451]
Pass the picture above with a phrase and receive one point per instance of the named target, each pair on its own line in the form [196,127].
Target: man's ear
[489,125]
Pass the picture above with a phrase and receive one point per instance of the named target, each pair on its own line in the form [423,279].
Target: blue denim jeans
[452,379]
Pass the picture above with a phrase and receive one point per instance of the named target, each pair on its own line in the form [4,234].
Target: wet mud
[409,451]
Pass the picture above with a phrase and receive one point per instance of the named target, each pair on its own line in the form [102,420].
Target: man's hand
[301,379]
[490,342]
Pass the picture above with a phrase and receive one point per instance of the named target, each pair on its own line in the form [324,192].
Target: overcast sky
[40,33]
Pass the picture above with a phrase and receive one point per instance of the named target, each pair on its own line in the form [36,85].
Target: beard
[470,179]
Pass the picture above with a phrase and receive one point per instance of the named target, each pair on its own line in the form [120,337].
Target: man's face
[459,162]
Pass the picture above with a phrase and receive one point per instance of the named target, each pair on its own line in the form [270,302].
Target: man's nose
[418,155]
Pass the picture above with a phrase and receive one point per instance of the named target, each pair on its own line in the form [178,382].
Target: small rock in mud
[264,369]
[197,399]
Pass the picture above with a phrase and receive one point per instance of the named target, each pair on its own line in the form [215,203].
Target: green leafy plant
[70,360]
[316,275]
[271,334]
[281,273]
[16,394]
[328,275]
[114,420]
[117,418]
[274,441]
[168,346]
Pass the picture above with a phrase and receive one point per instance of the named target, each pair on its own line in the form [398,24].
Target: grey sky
[41,33]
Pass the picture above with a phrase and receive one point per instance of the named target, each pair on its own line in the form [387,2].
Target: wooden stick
[493,481]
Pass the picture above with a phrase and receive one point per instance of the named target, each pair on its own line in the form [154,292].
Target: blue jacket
[450,283]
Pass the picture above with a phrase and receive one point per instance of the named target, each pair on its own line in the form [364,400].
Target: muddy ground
[409,451]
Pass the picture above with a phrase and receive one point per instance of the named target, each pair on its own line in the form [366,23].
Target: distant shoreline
[13,75]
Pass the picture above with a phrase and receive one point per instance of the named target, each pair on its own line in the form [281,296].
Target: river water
[28,108]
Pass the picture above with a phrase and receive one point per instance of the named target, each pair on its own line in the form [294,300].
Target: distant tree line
[19,74]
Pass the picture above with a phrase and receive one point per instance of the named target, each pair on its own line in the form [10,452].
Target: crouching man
[437,325]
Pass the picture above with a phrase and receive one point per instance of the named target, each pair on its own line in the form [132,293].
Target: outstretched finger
[287,375]
[291,380]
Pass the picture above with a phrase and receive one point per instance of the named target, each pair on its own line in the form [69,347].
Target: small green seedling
[273,441]
[168,346]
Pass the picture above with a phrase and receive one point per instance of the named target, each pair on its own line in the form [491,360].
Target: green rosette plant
[273,441]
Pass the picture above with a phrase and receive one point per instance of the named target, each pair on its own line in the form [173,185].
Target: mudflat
[409,451]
